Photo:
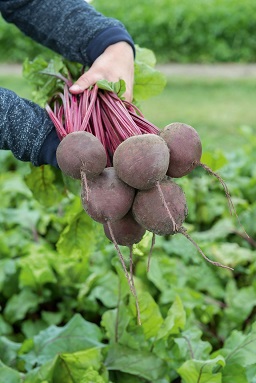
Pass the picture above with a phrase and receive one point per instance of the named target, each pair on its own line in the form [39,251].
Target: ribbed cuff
[47,155]
[107,37]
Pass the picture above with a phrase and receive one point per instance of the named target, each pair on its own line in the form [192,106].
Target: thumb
[84,82]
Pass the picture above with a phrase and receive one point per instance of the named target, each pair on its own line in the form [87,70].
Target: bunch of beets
[127,167]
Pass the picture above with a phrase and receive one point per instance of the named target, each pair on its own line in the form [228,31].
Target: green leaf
[36,268]
[116,87]
[239,301]
[119,88]
[8,351]
[151,318]
[41,183]
[215,160]
[141,363]
[239,348]
[20,304]
[42,374]
[201,371]
[175,320]
[23,216]
[36,73]
[30,328]
[52,317]
[8,268]
[79,235]
[106,85]
[14,185]
[76,245]
[90,375]
[54,67]
[76,335]
[148,82]
[106,289]
[121,328]
[219,231]
[8,375]
[145,55]
[250,373]
[142,248]
[163,272]
[78,367]
[115,323]
[231,254]
[191,345]
[123,287]
[5,328]
[235,374]
[180,246]
[73,185]
[59,371]
[170,275]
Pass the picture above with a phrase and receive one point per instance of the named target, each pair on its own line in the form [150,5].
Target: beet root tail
[128,277]
[183,231]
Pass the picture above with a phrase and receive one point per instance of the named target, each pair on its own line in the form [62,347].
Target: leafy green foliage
[47,75]
[67,314]
[189,31]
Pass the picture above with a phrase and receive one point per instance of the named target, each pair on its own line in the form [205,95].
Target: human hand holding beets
[114,64]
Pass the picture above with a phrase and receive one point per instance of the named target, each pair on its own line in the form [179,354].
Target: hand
[114,64]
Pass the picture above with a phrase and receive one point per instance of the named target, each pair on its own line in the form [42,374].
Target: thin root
[151,251]
[231,206]
[128,277]
[134,288]
[183,231]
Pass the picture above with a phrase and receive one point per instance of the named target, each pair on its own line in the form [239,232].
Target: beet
[141,161]
[106,197]
[156,213]
[81,151]
[126,231]
[185,148]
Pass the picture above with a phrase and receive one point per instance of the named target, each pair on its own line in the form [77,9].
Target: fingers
[115,63]
[89,79]
[84,82]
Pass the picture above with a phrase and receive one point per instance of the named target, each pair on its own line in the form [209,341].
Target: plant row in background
[198,31]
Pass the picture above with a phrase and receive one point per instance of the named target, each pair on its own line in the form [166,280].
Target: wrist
[47,155]
[107,38]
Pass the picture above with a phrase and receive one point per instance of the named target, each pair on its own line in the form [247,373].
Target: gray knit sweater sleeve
[72,28]
[24,126]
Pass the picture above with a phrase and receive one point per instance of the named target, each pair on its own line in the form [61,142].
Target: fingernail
[76,88]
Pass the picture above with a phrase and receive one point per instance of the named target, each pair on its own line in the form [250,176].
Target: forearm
[72,28]
[24,128]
